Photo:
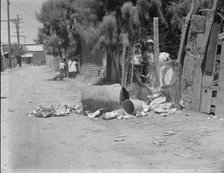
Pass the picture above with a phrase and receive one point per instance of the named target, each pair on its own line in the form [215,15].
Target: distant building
[35,54]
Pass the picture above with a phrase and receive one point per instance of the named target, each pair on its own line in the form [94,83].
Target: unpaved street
[77,143]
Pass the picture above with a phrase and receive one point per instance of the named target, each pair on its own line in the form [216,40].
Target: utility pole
[17,28]
[21,36]
[9,40]
[24,38]
[17,22]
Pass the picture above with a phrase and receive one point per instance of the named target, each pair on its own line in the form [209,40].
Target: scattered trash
[53,111]
[164,114]
[157,101]
[158,141]
[124,117]
[183,153]
[96,114]
[118,139]
[169,133]
[29,101]
[140,114]
[110,115]
[78,109]
[11,110]
[146,107]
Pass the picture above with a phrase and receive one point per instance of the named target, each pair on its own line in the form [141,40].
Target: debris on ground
[98,102]
[78,109]
[53,111]
[124,117]
[183,153]
[11,110]
[95,114]
[158,141]
[110,115]
[29,101]
[169,133]
[118,139]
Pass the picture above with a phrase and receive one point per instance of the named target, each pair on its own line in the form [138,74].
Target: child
[69,68]
[62,69]
[74,69]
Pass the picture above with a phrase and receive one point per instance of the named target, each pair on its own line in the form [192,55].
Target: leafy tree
[56,17]
[15,49]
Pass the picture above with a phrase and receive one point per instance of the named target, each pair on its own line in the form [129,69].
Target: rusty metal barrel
[132,106]
[108,97]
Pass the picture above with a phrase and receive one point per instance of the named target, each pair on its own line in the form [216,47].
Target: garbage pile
[109,102]
[52,111]
[102,103]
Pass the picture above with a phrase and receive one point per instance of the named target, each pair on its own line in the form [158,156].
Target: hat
[149,41]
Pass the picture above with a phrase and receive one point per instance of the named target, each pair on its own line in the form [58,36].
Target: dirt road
[78,144]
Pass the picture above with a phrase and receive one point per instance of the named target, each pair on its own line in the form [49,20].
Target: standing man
[148,61]
[66,67]
[19,60]
[150,58]
[61,69]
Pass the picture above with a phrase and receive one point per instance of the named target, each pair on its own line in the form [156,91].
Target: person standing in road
[73,69]
[19,60]
[62,69]
[66,67]
[69,68]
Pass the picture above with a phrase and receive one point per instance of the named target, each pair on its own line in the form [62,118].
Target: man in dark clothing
[66,67]
[19,61]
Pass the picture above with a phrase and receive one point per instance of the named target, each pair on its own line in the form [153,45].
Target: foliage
[15,49]
[109,24]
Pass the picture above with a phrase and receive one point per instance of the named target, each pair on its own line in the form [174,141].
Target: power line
[27,13]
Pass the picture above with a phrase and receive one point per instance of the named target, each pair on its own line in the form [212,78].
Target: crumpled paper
[53,111]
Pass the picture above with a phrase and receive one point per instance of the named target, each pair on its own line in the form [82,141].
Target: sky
[26,9]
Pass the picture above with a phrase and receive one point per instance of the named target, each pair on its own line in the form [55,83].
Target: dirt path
[78,143]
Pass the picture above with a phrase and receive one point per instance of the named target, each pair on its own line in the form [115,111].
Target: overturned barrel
[108,97]
[132,106]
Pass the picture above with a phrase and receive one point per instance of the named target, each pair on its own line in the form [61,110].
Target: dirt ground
[76,143]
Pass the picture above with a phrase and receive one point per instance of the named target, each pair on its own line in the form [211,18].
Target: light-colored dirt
[79,144]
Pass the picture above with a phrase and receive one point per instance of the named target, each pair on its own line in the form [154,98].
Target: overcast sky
[26,9]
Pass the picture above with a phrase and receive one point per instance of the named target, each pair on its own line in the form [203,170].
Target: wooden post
[197,84]
[132,65]
[123,83]
[156,78]
[184,33]
[220,94]
[124,61]
[9,37]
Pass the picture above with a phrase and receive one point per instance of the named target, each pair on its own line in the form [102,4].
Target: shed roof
[34,48]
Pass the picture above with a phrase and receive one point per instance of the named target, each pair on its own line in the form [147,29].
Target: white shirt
[72,67]
[61,65]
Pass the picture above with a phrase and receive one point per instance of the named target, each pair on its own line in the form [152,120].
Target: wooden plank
[206,94]
[214,102]
[207,79]
[211,51]
[196,93]
[219,111]
[132,66]
[197,84]
[197,24]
